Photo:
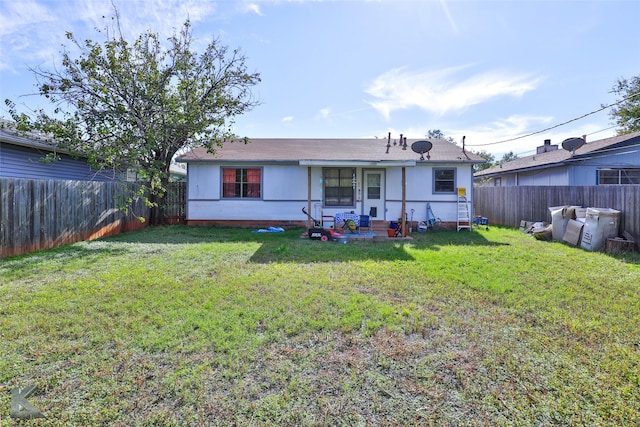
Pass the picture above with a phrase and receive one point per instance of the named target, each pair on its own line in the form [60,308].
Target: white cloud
[17,15]
[507,129]
[287,119]
[516,126]
[33,32]
[24,26]
[440,91]
[161,16]
[447,13]
[324,113]
[252,8]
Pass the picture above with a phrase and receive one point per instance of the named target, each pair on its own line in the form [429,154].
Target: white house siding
[419,192]
[282,189]
[285,192]
[203,182]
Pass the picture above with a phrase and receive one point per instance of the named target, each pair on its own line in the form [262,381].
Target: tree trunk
[155,216]
[159,202]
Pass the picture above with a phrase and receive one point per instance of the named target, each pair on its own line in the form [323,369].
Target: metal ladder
[464,219]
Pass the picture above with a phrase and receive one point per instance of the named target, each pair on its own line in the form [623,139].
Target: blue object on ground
[480,220]
[269,230]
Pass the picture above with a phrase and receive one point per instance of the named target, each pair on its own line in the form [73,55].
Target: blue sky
[489,70]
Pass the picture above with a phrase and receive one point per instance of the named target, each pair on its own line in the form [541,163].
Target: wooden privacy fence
[508,205]
[174,207]
[40,214]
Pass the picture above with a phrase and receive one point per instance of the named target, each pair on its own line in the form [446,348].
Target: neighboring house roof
[329,151]
[35,140]
[563,157]
[178,169]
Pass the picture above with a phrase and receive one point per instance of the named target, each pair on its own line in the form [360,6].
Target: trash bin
[560,216]
[600,224]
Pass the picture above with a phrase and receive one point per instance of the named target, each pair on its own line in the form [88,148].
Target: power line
[601,130]
[558,125]
[533,151]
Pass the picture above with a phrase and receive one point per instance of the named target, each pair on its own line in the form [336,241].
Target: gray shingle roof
[355,150]
[9,135]
[560,156]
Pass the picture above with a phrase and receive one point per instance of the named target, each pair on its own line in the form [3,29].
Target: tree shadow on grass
[315,251]
[434,240]
[310,251]
[288,246]
[26,264]
[628,257]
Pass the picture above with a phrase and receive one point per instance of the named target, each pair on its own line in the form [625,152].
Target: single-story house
[268,181]
[178,172]
[609,161]
[25,156]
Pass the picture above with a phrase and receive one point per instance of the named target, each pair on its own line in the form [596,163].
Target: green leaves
[135,104]
[626,114]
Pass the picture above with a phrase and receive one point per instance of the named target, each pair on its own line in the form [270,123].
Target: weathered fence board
[508,205]
[41,214]
[174,209]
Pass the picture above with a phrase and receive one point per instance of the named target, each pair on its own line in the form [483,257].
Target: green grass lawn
[215,326]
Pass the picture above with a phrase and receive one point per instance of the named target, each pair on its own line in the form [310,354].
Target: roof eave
[23,141]
[320,162]
[518,170]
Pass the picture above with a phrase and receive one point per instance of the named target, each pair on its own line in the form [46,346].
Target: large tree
[437,133]
[626,113]
[136,105]
[490,161]
[507,157]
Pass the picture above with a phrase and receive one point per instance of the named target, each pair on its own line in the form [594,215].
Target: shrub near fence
[509,205]
[41,214]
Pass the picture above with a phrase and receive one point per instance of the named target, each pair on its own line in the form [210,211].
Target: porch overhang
[358,163]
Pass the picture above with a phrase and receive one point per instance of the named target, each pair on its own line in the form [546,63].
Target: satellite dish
[421,147]
[572,144]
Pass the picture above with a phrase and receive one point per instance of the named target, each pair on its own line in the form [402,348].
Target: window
[373,186]
[444,180]
[241,183]
[497,182]
[618,176]
[339,186]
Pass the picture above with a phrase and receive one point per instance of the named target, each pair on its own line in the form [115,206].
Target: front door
[373,188]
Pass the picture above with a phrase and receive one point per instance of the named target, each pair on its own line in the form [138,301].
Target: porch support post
[309,196]
[404,200]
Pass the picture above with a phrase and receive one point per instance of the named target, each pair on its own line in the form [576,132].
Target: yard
[214,326]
